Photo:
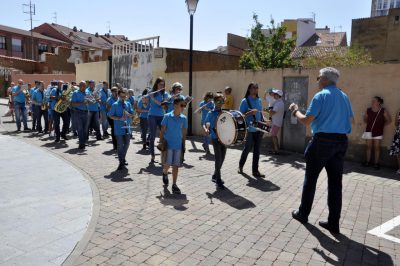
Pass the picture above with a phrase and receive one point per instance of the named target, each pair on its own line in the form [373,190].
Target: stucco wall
[98,71]
[360,83]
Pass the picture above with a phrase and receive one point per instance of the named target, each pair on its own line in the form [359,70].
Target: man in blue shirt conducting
[330,115]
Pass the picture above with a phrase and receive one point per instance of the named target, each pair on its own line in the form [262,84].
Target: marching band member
[219,148]
[19,99]
[33,106]
[143,111]
[57,94]
[276,112]
[105,93]
[173,132]
[251,107]
[93,115]
[206,106]
[79,106]
[122,112]
[50,104]
[38,100]
[229,100]
[110,101]
[175,92]
[156,111]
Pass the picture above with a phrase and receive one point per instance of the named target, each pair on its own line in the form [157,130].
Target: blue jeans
[143,129]
[93,119]
[324,151]
[253,142]
[38,112]
[122,146]
[153,121]
[20,111]
[104,121]
[80,119]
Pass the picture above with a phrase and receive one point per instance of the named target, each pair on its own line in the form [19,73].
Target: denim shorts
[174,158]
[50,114]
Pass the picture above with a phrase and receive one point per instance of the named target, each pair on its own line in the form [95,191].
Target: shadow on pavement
[230,198]
[260,183]
[143,152]
[207,156]
[76,151]
[119,176]
[110,152]
[152,169]
[347,251]
[286,158]
[55,145]
[169,199]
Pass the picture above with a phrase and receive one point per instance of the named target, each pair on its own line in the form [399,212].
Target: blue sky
[169,18]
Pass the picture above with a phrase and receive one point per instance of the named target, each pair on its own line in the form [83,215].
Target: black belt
[330,135]
[81,111]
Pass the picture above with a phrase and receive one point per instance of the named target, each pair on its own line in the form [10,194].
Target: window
[16,45]
[397,3]
[42,48]
[3,42]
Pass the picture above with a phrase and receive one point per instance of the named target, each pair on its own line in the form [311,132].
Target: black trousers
[114,139]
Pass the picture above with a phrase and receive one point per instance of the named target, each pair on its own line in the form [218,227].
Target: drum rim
[236,127]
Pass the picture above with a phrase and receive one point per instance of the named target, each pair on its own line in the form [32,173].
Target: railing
[136,46]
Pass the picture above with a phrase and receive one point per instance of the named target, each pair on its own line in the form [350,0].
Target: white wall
[305,29]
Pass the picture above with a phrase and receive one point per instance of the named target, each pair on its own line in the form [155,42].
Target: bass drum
[231,128]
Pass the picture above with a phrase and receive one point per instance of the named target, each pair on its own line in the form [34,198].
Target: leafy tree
[267,52]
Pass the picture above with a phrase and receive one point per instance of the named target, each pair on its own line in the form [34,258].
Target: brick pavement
[249,223]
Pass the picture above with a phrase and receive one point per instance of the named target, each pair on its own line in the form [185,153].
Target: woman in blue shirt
[156,112]
[122,113]
[251,107]
[110,101]
[143,111]
[206,106]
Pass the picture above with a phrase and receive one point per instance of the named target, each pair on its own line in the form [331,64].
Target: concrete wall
[361,84]
[97,71]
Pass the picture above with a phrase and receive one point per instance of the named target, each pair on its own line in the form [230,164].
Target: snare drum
[231,128]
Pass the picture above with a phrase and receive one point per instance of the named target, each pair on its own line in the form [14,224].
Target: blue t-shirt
[332,111]
[255,104]
[173,132]
[104,94]
[32,90]
[155,109]
[171,102]
[79,97]
[92,106]
[57,92]
[141,106]
[117,109]
[209,107]
[212,119]
[20,98]
[38,96]
[111,100]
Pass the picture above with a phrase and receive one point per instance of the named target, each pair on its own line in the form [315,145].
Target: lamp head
[191,5]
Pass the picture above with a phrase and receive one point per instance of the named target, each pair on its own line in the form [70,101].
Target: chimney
[96,34]
[75,29]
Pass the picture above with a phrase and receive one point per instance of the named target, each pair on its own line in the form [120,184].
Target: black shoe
[57,140]
[33,129]
[175,189]
[377,166]
[152,159]
[144,147]
[46,132]
[330,228]
[120,166]
[240,170]
[81,147]
[220,185]
[64,137]
[258,174]
[125,162]
[165,179]
[214,179]
[366,164]
[296,215]
[18,130]
[75,134]
[27,129]
[99,138]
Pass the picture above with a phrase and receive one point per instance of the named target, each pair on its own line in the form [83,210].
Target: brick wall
[25,65]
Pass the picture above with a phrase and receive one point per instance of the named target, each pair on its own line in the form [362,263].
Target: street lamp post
[191,5]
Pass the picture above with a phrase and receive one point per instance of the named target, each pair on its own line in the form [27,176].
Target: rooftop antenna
[54,17]
[31,12]
[109,27]
[339,27]
[313,16]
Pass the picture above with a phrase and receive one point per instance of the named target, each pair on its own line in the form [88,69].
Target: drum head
[226,128]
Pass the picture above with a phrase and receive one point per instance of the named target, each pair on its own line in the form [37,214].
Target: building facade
[379,35]
[382,7]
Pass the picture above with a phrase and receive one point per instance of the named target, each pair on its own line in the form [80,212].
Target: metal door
[294,133]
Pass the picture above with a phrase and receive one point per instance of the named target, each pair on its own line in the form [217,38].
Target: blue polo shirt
[155,109]
[79,97]
[38,96]
[20,98]
[117,109]
[332,111]
[104,95]
[111,100]
[57,92]
[93,107]
[212,119]
[255,104]
[173,132]
[141,106]
[209,107]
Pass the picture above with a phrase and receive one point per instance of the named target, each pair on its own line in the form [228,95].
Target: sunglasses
[318,78]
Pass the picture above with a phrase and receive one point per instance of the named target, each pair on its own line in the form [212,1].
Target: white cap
[279,92]
[177,84]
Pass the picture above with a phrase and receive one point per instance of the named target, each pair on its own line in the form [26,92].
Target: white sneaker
[398,172]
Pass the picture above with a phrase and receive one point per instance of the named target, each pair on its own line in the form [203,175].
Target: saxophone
[65,101]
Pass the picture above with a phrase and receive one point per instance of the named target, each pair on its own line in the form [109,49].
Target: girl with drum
[206,105]
[156,111]
[219,148]
[251,107]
